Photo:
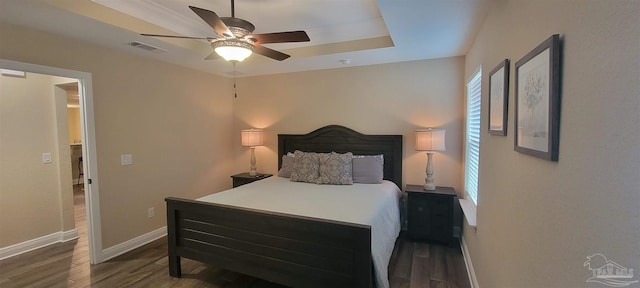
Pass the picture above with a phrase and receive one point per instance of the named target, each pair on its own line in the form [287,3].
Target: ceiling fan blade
[280,37]
[268,52]
[213,20]
[175,36]
[213,56]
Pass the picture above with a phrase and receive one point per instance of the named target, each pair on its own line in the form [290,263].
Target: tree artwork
[533,96]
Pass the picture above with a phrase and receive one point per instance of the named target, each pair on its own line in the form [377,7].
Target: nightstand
[245,178]
[430,213]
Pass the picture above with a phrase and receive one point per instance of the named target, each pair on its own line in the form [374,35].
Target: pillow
[305,167]
[335,168]
[287,166]
[368,169]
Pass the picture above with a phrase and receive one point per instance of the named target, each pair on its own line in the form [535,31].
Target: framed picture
[537,115]
[499,99]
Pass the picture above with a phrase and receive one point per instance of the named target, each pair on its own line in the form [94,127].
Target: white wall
[539,220]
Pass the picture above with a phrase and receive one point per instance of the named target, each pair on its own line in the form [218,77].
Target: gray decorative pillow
[287,166]
[305,167]
[368,169]
[335,168]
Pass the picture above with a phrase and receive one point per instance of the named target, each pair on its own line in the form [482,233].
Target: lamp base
[428,181]
[429,186]
[252,170]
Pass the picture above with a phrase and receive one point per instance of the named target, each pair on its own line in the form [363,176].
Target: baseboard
[69,235]
[33,244]
[134,243]
[467,262]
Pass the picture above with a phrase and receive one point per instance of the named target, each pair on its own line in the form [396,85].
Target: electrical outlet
[151,212]
[126,159]
[46,158]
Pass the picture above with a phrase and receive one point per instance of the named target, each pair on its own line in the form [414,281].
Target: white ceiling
[363,31]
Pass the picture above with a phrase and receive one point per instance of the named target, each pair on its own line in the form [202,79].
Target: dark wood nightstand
[430,213]
[245,178]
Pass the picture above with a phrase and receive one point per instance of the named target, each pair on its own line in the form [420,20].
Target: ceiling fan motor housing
[238,27]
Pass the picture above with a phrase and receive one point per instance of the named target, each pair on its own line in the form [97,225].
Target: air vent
[147,47]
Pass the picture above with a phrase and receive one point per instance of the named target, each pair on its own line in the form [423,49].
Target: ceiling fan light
[232,53]
[233,49]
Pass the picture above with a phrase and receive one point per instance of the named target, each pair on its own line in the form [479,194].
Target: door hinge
[89,180]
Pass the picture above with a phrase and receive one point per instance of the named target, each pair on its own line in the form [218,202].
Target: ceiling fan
[234,41]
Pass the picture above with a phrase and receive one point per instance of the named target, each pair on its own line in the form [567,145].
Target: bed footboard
[286,249]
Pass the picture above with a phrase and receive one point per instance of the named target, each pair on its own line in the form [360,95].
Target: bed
[286,248]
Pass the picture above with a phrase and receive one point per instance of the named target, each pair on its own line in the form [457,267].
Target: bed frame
[287,249]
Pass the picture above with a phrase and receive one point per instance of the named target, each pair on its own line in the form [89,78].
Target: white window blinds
[472,147]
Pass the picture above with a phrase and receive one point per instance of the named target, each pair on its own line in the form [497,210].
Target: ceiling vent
[146,47]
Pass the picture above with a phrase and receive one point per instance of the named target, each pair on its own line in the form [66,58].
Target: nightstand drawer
[245,178]
[418,204]
[241,181]
[430,213]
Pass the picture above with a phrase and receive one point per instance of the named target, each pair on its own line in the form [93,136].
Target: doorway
[74,137]
[88,150]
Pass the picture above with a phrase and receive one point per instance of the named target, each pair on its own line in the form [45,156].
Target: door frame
[89,155]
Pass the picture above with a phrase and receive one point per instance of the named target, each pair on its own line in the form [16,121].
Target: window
[472,147]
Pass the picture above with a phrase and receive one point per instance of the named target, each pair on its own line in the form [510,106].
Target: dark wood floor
[413,264]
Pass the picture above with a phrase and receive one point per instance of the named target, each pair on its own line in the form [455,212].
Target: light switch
[126,159]
[46,158]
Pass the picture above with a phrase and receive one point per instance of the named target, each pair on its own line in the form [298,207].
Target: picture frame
[499,99]
[537,101]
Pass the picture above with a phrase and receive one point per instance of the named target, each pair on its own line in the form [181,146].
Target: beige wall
[175,122]
[539,220]
[380,99]
[35,198]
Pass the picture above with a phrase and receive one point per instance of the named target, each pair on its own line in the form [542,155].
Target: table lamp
[430,140]
[252,138]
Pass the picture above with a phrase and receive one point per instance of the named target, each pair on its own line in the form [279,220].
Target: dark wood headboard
[339,139]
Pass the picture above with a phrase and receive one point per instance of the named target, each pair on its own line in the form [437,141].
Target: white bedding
[370,204]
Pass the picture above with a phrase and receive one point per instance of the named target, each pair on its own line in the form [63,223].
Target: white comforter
[376,205]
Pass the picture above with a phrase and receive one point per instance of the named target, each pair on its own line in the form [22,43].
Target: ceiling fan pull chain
[235,93]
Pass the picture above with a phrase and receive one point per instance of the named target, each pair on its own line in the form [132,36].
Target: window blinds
[472,147]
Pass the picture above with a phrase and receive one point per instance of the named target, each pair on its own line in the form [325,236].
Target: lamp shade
[252,137]
[430,140]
